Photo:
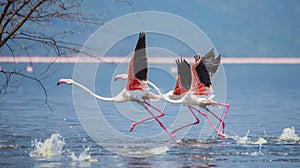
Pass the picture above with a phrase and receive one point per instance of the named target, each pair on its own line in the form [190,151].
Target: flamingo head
[65,81]
[121,76]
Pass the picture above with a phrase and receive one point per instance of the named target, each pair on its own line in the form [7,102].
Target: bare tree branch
[24,28]
[12,15]
[3,13]
[8,75]
[20,24]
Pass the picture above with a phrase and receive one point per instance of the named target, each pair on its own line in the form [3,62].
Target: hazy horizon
[157,60]
[236,28]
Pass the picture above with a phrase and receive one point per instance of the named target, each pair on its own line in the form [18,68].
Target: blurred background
[38,122]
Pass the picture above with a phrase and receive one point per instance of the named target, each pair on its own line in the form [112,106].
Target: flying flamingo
[194,87]
[136,87]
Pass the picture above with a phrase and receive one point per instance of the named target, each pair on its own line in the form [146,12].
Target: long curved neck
[164,96]
[93,94]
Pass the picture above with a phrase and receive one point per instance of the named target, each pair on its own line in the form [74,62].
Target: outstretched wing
[211,62]
[184,77]
[202,70]
[184,71]
[140,62]
[138,65]
[199,67]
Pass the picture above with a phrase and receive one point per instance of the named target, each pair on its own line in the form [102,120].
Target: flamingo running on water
[194,87]
[136,87]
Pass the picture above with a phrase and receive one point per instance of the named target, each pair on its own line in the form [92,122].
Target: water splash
[55,147]
[289,134]
[242,140]
[52,146]
[246,140]
[260,141]
[83,156]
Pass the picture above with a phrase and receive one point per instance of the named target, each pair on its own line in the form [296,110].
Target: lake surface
[262,124]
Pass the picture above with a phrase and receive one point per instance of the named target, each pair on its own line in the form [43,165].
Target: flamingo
[194,87]
[136,87]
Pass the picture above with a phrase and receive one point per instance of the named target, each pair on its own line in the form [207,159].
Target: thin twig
[8,75]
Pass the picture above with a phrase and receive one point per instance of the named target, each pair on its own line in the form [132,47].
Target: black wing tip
[208,55]
[219,58]
[140,64]
[142,34]
[212,51]
[181,61]
[186,62]
[197,57]
[141,43]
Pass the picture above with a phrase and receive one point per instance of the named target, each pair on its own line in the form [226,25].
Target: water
[263,125]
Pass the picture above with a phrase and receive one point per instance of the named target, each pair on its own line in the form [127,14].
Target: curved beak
[65,81]
[121,76]
[117,77]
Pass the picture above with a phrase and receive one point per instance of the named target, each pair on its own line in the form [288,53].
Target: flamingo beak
[121,76]
[64,81]
[60,82]
[117,77]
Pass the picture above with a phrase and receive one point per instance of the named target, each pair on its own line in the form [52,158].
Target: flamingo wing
[201,81]
[211,62]
[138,66]
[200,70]
[184,77]
[140,62]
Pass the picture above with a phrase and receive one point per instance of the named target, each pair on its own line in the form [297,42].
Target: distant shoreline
[156,60]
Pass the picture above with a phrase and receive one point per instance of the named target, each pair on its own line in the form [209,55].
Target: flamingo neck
[92,93]
[164,96]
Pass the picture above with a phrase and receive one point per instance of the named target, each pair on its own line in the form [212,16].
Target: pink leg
[194,123]
[222,121]
[147,119]
[154,117]
[210,122]
[224,114]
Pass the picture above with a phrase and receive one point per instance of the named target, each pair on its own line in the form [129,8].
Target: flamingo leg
[147,119]
[194,123]
[221,134]
[153,117]
[222,120]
